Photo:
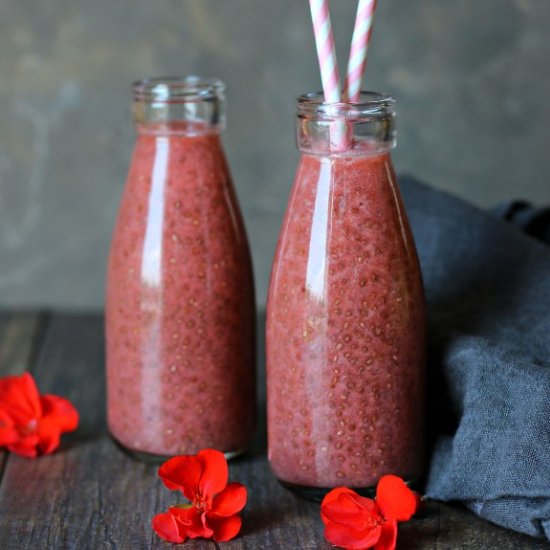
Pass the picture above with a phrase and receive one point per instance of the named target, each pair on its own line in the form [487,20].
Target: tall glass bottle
[180,296]
[345,312]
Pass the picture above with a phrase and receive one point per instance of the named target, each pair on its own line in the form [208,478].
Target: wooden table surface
[90,495]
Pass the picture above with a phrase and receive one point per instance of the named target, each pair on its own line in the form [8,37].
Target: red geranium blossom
[354,522]
[212,512]
[31,423]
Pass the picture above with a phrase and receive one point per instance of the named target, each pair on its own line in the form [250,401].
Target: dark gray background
[471,78]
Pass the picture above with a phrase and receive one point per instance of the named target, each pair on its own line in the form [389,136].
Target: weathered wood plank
[19,336]
[4,320]
[91,495]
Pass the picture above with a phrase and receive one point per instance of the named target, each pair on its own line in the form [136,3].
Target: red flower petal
[60,411]
[203,475]
[20,398]
[395,499]
[215,473]
[58,416]
[49,437]
[335,493]
[346,507]
[183,473]
[352,539]
[225,528]
[25,447]
[192,522]
[166,527]
[229,502]
[388,537]
[352,521]
[8,433]
[37,420]
[214,504]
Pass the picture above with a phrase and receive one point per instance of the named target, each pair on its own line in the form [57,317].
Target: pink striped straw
[326,52]
[359,49]
[330,75]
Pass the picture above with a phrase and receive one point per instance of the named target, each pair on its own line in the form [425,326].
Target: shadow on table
[260,441]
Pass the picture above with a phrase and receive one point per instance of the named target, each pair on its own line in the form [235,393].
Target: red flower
[356,523]
[31,423]
[212,512]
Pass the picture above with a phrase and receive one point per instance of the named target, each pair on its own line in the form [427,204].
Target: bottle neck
[346,129]
[185,106]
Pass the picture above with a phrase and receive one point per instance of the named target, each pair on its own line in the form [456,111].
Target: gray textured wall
[471,78]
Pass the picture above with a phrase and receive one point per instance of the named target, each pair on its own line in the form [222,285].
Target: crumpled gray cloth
[532,221]
[488,292]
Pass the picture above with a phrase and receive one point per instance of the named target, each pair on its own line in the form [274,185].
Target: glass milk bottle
[180,314]
[345,312]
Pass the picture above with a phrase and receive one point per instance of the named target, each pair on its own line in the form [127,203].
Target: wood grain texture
[90,495]
[19,340]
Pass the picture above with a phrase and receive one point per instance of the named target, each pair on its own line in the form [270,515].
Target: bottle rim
[177,89]
[371,104]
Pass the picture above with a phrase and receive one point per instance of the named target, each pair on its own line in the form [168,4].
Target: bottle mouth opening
[174,89]
[370,104]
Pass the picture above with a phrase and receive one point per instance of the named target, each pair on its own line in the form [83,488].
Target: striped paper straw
[326,52]
[330,75]
[359,48]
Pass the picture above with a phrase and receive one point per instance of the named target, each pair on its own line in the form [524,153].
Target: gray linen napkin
[488,292]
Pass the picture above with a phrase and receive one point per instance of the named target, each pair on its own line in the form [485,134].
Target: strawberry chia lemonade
[346,314]
[180,296]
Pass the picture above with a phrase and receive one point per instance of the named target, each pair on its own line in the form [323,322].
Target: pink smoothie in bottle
[346,314]
[180,297]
